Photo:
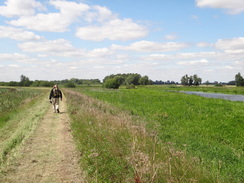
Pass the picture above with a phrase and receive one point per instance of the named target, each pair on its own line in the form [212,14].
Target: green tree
[239,80]
[196,80]
[24,81]
[185,80]
[112,83]
[144,80]
[207,82]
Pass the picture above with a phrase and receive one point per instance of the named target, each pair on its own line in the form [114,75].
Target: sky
[91,39]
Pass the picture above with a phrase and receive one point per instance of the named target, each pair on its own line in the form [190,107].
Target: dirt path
[48,155]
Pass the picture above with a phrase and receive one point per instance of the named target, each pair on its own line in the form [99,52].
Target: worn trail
[48,155]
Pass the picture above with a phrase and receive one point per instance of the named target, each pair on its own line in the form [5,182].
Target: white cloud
[53,22]
[197,62]
[115,29]
[148,46]
[17,34]
[171,37]
[14,65]
[203,44]
[230,44]
[20,8]
[16,57]
[55,46]
[233,6]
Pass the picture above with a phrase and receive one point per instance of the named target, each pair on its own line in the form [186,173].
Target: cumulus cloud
[17,34]
[20,8]
[20,58]
[115,29]
[233,6]
[99,22]
[148,46]
[63,48]
[203,44]
[196,62]
[53,22]
[230,44]
[59,45]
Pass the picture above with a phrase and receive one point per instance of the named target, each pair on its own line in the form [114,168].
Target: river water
[217,95]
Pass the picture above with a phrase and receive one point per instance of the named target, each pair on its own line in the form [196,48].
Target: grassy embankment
[17,117]
[155,136]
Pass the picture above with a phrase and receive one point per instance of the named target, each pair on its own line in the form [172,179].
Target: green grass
[209,130]
[116,146]
[20,112]
[13,100]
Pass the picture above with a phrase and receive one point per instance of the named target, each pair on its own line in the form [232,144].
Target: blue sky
[90,39]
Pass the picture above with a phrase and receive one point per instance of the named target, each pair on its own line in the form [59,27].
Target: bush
[111,83]
[69,85]
[131,86]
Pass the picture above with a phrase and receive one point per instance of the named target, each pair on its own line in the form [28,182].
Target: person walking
[55,95]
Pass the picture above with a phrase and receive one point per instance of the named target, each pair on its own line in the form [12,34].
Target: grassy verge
[208,130]
[116,146]
[13,100]
[23,108]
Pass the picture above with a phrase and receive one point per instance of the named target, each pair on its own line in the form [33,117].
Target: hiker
[55,95]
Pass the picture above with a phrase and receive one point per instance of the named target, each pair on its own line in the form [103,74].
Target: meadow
[147,134]
[200,139]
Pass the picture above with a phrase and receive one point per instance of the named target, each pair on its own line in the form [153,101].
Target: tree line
[115,80]
[129,79]
[191,80]
[25,81]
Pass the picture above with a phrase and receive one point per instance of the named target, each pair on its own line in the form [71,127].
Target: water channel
[217,95]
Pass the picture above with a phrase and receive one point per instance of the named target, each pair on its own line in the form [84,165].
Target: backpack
[56,93]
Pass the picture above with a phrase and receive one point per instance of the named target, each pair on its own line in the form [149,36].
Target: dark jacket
[55,93]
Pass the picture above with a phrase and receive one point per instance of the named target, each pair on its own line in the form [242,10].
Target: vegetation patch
[116,146]
[208,130]
[18,117]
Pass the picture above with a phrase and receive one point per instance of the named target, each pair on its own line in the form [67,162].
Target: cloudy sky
[90,39]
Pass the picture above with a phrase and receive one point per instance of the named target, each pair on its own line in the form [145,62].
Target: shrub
[131,86]
[69,85]
[112,83]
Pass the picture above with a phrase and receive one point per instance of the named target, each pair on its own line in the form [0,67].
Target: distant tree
[69,85]
[185,80]
[207,82]
[112,83]
[196,80]
[231,83]
[24,81]
[190,80]
[239,80]
[144,80]
[133,79]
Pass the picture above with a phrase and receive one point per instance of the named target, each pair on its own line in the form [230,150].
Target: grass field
[208,131]
[146,134]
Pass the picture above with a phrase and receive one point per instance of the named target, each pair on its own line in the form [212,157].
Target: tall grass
[210,130]
[116,146]
[12,99]
[20,112]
